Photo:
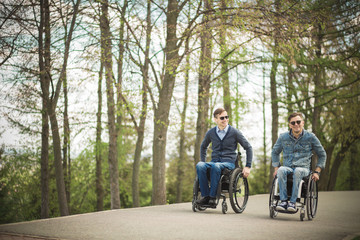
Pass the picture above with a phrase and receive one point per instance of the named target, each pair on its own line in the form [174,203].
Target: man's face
[222,120]
[296,124]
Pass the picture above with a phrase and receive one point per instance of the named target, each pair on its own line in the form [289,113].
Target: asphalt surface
[338,217]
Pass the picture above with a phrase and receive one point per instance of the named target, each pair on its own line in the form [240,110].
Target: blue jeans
[215,174]
[298,174]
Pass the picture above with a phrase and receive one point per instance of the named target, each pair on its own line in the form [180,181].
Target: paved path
[338,218]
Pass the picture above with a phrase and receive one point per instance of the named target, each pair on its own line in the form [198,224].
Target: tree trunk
[59,173]
[336,165]
[44,81]
[325,173]
[204,82]
[52,103]
[138,149]
[66,145]
[60,183]
[290,89]
[119,102]
[354,176]
[182,150]
[107,50]
[224,65]
[265,163]
[98,155]
[317,83]
[141,128]
[161,118]
[274,98]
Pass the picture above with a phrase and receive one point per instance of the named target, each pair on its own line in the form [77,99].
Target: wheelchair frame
[307,197]
[232,183]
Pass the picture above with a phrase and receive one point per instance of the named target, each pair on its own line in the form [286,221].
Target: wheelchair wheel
[196,196]
[238,191]
[272,200]
[224,207]
[312,199]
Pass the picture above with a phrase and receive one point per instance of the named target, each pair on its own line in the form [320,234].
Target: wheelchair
[232,183]
[307,197]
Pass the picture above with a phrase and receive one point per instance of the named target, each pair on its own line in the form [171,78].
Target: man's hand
[275,171]
[246,172]
[316,176]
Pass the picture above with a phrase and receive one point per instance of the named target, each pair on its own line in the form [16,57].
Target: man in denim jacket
[224,139]
[297,146]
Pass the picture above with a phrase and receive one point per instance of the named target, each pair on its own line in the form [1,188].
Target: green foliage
[20,194]
[145,182]
[349,178]
[259,178]
[83,177]
[83,195]
[188,179]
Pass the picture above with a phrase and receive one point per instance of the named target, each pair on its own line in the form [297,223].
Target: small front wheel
[272,200]
[224,207]
[272,212]
[302,216]
[196,196]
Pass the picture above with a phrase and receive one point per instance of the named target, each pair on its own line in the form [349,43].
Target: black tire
[302,216]
[196,196]
[238,191]
[312,199]
[224,207]
[272,200]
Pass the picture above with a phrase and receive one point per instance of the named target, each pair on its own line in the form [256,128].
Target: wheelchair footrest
[286,211]
[208,206]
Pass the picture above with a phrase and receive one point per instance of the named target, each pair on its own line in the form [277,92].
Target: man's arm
[275,155]
[249,153]
[204,145]
[321,153]
[247,147]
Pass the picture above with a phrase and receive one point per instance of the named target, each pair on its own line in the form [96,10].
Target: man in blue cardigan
[297,146]
[224,139]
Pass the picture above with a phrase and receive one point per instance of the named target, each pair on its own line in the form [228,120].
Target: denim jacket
[298,152]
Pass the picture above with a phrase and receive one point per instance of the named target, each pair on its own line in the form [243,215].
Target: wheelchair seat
[303,184]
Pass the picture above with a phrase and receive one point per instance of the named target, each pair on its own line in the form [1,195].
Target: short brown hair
[295,114]
[218,111]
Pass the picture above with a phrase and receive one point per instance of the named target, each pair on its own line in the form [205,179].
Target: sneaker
[282,206]
[291,207]
[203,201]
[212,202]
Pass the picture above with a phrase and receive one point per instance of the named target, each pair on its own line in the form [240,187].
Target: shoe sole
[278,208]
[290,209]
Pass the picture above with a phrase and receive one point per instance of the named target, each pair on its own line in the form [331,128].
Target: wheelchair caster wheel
[224,207]
[273,212]
[302,215]
[194,206]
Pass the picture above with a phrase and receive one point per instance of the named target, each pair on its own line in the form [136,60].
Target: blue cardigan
[225,150]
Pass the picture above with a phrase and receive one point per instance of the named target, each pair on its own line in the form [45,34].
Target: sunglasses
[293,122]
[224,117]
